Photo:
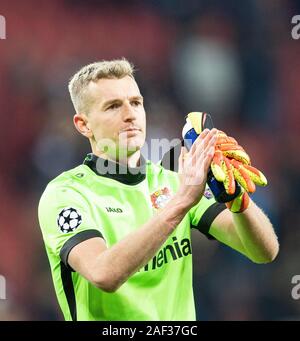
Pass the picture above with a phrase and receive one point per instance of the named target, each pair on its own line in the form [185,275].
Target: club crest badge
[160,198]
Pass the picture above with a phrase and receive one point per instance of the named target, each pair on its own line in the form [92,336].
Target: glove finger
[216,167]
[230,148]
[256,175]
[227,147]
[239,155]
[226,139]
[229,182]
[242,176]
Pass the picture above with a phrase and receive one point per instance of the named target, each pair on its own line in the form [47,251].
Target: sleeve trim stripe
[208,217]
[67,282]
[75,240]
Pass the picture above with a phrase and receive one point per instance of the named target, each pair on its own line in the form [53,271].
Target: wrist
[240,204]
[186,196]
[184,200]
[172,214]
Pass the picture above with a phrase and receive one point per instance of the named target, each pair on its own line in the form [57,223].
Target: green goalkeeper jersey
[103,199]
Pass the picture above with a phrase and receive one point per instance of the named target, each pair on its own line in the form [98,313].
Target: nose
[128,112]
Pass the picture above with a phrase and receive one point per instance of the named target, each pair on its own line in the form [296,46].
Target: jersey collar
[115,171]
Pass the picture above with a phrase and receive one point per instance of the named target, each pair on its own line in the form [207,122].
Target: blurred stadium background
[233,59]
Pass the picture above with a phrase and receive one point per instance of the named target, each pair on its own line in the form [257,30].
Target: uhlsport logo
[114,209]
[160,198]
[2,27]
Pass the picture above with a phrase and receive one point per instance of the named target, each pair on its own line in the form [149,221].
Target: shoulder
[64,184]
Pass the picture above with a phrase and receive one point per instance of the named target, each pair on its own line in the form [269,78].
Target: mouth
[130,130]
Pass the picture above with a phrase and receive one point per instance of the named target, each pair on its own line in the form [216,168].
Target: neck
[130,161]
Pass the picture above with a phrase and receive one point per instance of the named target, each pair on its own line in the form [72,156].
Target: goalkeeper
[117,228]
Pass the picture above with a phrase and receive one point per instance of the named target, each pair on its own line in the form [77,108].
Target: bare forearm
[135,250]
[108,268]
[256,234]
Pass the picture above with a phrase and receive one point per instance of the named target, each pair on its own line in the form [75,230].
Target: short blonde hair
[78,84]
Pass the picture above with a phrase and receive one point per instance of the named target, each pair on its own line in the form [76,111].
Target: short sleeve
[65,219]
[203,214]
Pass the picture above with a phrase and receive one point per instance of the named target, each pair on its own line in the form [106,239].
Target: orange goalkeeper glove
[231,163]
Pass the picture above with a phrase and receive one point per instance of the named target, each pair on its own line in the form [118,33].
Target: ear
[82,125]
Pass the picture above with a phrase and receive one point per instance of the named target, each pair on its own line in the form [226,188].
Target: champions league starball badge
[68,219]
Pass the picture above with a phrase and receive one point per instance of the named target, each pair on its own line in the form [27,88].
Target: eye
[136,103]
[113,106]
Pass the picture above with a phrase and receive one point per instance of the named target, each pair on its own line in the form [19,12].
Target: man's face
[117,114]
